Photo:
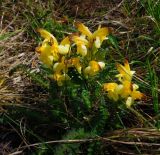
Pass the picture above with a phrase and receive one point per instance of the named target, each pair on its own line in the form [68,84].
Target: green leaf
[113,41]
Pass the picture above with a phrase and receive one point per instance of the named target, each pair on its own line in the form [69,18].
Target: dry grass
[16,48]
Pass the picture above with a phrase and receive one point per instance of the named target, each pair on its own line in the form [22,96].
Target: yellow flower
[50,50]
[60,78]
[125,91]
[81,44]
[64,46]
[83,29]
[75,62]
[95,38]
[125,72]
[113,90]
[47,36]
[93,68]
[130,93]
[130,89]
[136,95]
[46,55]
[60,71]
[60,67]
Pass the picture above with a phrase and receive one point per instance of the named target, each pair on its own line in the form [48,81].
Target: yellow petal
[79,40]
[60,78]
[83,29]
[65,41]
[55,52]
[126,91]
[87,70]
[76,62]
[44,47]
[101,64]
[129,102]
[135,86]
[125,72]
[97,42]
[102,33]
[58,67]
[47,60]
[82,50]
[120,69]
[137,95]
[120,77]
[79,68]
[63,49]
[94,66]
[46,35]
[113,95]
[110,86]
[45,54]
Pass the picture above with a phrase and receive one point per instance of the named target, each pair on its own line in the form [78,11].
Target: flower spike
[125,73]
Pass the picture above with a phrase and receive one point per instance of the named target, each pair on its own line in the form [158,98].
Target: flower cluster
[77,50]
[126,89]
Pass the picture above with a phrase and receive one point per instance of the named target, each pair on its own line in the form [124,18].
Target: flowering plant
[78,51]
[126,89]
[60,57]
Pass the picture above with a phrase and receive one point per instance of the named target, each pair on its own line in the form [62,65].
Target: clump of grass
[152,9]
